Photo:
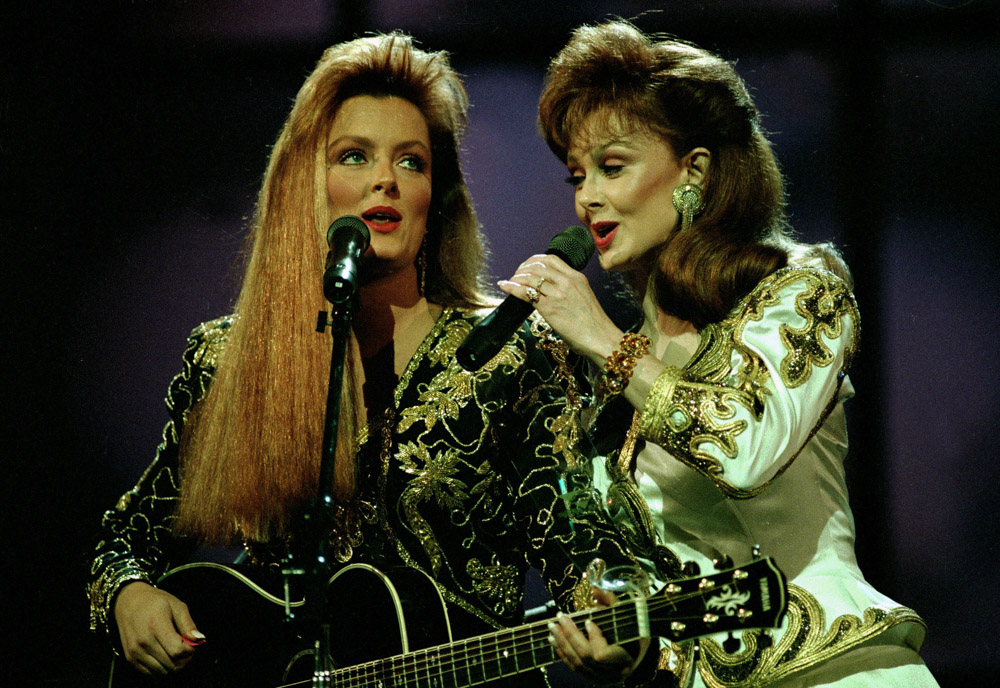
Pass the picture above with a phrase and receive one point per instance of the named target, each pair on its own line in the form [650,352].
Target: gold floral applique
[450,390]
[496,584]
[433,481]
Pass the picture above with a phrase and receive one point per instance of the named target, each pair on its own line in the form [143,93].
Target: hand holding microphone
[574,245]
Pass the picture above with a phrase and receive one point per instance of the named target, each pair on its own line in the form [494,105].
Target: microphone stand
[318,518]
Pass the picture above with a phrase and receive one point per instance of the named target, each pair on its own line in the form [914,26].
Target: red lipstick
[604,233]
[382,218]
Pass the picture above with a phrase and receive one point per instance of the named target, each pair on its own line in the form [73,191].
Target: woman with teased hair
[451,473]
[721,412]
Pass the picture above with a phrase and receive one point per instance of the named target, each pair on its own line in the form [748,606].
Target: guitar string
[523,640]
[419,666]
[429,664]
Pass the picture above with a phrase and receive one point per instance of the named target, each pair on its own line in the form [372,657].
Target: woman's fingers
[157,633]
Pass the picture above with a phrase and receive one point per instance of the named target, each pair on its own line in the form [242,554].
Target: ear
[695,164]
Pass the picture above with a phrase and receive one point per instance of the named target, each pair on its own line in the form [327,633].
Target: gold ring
[541,281]
[532,295]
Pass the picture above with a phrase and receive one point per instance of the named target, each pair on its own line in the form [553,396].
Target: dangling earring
[688,199]
[422,267]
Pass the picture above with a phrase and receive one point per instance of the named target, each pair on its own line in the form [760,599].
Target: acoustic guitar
[392,630]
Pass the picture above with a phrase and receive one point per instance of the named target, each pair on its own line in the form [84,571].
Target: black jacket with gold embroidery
[461,482]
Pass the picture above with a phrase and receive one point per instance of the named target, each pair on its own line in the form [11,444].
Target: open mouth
[381,215]
[604,232]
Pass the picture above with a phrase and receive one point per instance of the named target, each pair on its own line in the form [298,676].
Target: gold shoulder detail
[805,643]
[822,301]
[686,409]
[208,340]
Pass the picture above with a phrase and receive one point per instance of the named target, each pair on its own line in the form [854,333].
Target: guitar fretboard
[481,659]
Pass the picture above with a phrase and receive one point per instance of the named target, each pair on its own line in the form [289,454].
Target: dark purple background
[134,135]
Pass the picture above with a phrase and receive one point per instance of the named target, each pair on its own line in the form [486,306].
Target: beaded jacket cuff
[104,590]
[655,417]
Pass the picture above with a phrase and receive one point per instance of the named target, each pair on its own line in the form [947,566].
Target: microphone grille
[575,245]
[353,222]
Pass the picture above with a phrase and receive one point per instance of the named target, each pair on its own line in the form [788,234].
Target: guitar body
[251,644]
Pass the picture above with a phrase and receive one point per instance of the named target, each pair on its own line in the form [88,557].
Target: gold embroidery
[443,398]
[451,389]
[497,584]
[566,426]
[630,511]
[106,586]
[822,304]
[583,595]
[566,431]
[450,340]
[805,643]
[696,413]
[447,333]
[560,352]
[696,406]
[347,534]
[674,665]
[434,480]
[209,339]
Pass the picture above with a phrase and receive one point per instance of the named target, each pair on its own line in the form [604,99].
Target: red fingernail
[192,643]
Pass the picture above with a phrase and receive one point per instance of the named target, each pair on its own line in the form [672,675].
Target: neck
[674,340]
[393,312]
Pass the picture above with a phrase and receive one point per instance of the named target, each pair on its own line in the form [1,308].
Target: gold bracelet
[619,365]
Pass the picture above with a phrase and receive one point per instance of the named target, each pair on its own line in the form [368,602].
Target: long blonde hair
[250,451]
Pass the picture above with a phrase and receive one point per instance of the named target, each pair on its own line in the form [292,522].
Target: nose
[384,178]
[588,196]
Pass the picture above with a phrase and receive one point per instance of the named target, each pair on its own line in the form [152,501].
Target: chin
[611,262]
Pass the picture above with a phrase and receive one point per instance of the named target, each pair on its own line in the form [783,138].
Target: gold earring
[688,200]
[422,267]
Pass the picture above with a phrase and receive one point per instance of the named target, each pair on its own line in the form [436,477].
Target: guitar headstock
[750,596]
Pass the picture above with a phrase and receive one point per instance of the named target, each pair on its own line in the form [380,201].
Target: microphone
[574,245]
[348,238]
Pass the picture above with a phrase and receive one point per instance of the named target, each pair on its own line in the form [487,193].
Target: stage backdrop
[135,135]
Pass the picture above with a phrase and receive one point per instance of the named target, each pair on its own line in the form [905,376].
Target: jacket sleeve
[761,384]
[135,541]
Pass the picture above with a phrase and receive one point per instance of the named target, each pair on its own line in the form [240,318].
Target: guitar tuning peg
[765,641]
[731,644]
[691,569]
[723,562]
[755,551]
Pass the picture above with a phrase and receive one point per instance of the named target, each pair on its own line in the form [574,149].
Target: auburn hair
[689,97]
[250,451]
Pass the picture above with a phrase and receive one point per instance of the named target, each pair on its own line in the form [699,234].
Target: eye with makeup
[413,162]
[352,157]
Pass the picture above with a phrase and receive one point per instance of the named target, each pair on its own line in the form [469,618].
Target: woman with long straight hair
[452,474]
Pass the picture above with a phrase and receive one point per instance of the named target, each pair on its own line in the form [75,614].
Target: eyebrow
[369,143]
[600,149]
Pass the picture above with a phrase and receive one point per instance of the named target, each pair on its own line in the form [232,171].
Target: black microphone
[348,238]
[574,245]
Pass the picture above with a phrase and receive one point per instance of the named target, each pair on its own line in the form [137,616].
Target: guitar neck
[477,660]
